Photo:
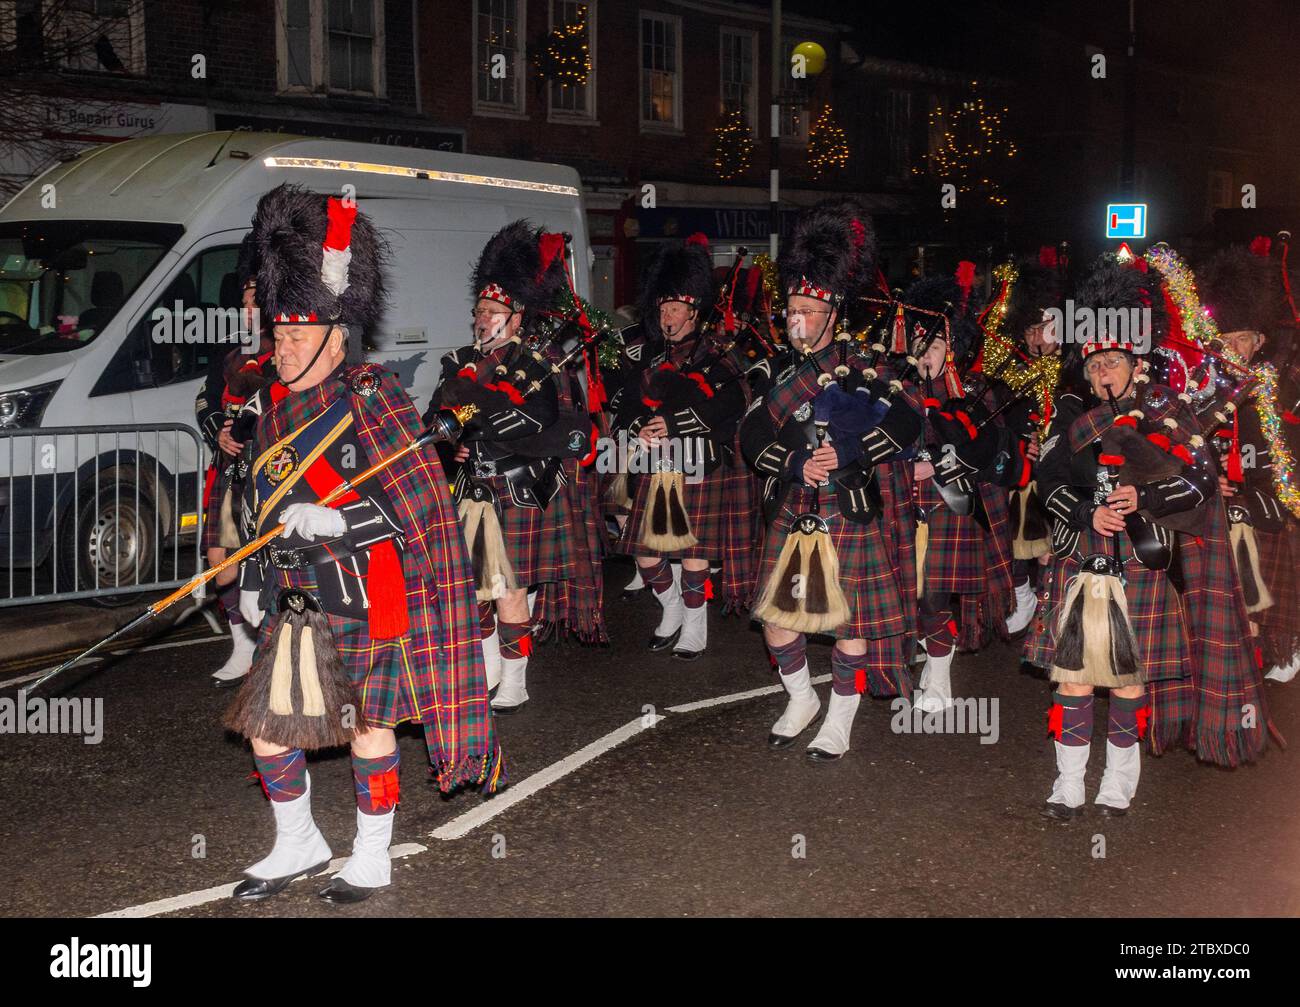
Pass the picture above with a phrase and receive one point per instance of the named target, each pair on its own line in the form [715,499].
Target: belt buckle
[287,559]
[485,468]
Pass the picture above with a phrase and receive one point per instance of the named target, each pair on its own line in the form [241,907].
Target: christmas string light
[1200,328]
[972,138]
[828,150]
[733,145]
[567,60]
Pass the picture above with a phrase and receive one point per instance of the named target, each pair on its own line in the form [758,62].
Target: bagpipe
[803,593]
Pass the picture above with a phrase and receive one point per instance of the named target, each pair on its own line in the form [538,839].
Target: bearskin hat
[318,259]
[246,262]
[678,271]
[1036,288]
[521,267]
[1112,284]
[936,293]
[832,253]
[1243,289]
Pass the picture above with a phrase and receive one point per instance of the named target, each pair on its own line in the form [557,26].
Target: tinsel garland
[998,348]
[1199,326]
[609,348]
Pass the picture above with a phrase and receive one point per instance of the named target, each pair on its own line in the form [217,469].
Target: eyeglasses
[1105,361]
[488,313]
[805,312]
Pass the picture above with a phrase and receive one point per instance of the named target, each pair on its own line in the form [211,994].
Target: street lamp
[807,59]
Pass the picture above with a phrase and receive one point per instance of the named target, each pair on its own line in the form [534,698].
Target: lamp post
[807,59]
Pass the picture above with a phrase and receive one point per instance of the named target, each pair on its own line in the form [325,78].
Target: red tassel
[703,382]
[508,390]
[899,344]
[525,644]
[1056,721]
[1143,718]
[860,680]
[386,587]
[1259,658]
[708,589]
[549,246]
[1047,256]
[384,790]
[1235,471]
[338,229]
[208,482]
[1261,246]
[1026,467]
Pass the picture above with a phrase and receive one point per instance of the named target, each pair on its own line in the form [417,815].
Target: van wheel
[111,537]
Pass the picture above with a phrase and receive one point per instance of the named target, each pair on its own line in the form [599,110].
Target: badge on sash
[280,464]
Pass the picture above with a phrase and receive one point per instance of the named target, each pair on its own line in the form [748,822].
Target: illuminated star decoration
[1200,328]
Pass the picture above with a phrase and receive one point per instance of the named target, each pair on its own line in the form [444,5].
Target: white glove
[248,608]
[310,520]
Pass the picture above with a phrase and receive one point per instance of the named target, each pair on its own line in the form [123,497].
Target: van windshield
[62,281]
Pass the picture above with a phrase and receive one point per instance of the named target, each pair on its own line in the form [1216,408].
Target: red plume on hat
[1261,246]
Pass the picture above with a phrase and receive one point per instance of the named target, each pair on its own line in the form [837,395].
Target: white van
[92,249]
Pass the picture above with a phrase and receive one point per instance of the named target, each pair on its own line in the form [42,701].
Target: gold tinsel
[998,347]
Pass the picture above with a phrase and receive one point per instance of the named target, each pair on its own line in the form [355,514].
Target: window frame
[500,110]
[318,37]
[134,61]
[673,128]
[751,105]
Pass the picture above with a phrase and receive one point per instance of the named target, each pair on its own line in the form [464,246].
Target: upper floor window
[334,45]
[661,78]
[91,35]
[898,131]
[499,55]
[570,100]
[737,63]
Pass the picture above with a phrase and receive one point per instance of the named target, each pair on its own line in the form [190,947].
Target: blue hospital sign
[1126,220]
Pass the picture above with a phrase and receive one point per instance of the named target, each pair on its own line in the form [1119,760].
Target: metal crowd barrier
[98,512]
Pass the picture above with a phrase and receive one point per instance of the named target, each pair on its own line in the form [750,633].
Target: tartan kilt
[707,510]
[1164,644]
[538,543]
[741,536]
[877,560]
[211,537]
[394,678]
[574,604]
[963,559]
[1279,552]
[1206,715]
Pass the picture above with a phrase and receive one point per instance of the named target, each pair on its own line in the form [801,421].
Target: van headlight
[25,407]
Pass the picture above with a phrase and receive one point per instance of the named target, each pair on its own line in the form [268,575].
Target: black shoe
[817,755]
[658,643]
[779,741]
[632,593]
[229,683]
[508,710]
[1060,812]
[340,893]
[257,889]
[1106,811]
[688,655]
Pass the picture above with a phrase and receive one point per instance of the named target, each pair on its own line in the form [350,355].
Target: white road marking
[462,825]
[517,792]
[207,895]
[736,697]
